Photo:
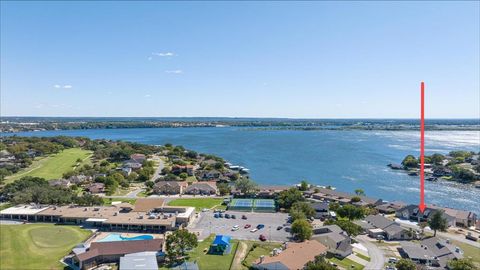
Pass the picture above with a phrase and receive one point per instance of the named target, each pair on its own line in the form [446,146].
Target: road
[377,257]
[158,171]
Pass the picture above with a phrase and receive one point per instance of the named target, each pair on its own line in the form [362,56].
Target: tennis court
[264,205]
[258,205]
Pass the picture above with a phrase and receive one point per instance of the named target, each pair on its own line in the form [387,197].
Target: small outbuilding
[220,245]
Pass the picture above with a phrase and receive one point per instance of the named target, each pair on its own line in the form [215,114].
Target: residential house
[321,210]
[390,207]
[169,187]
[412,212]
[463,218]
[111,252]
[270,191]
[294,256]
[188,169]
[140,158]
[333,237]
[63,183]
[432,251]
[95,188]
[79,179]
[204,188]
[387,228]
[133,164]
[208,175]
[344,198]
[126,170]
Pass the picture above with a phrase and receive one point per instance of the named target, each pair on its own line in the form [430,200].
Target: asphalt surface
[377,257]
[206,224]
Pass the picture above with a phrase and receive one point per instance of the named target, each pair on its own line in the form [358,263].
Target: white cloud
[175,71]
[65,86]
[147,95]
[164,54]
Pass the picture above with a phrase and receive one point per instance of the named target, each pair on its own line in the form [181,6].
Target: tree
[304,208]
[304,185]
[351,212]
[349,227]
[178,243]
[319,264]
[437,222]
[301,229]
[224,189]
[288,197]
[360,192]
[183,176]
[246,186]
[461,264]
[410,162]
[405,264]
[355,199]
[437,159]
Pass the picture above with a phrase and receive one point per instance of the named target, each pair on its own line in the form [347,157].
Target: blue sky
[240,59]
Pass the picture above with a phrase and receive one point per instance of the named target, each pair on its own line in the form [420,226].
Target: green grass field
[37,246]
[345,263]
[207,261]
[198,203]
[53,166]
[469,251]
[255,253]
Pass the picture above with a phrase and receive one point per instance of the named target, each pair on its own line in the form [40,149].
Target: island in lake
[459,166]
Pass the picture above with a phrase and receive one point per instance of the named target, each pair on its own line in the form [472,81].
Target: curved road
[377,257]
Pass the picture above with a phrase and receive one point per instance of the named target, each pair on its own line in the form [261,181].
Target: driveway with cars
[207,224]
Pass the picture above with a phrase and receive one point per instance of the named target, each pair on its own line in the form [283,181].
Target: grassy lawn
[53,166]
[344,263]
[255,250]
[37,246]
[366,258]
[198,203]
[469,251]
[108,201]
[207,261]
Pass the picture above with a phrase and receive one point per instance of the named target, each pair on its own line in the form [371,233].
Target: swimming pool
[117,237]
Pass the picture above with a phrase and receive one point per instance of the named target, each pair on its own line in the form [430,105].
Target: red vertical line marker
[422,148]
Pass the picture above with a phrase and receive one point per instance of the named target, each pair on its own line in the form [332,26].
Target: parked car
[392,260]
[247,226]
[260,226]
[235,228]
[279,228]
[220,215]
[253,230]
[244,217]
[227,215]
[262,237]
[469,236]
[216,216]
[233,216]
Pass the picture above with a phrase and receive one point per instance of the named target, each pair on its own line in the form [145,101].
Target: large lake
[344,159]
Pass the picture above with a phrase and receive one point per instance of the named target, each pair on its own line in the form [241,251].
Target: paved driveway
[377,257]
[206,224]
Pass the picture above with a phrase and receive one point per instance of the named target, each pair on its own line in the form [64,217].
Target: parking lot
[207,224]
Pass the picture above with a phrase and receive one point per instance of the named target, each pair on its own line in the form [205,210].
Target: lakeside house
[169,187]
[454,217]
[336,239]
[188,169]
[321,210]
[432,251]
[270,191]
[344,198]
[147,215]
[294,256]
[390,207]
[97,253]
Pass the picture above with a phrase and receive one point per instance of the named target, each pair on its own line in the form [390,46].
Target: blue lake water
[345,159]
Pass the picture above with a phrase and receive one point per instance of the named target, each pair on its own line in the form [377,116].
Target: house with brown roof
[169,187]
[294,256]
[111,252]
[344,198]
[189,169]
[140,158]
[95,188]
[147,204]
[204,188]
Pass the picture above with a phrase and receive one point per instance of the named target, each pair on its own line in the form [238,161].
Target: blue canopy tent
[220,245]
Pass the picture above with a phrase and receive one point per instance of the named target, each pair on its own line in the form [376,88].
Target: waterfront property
[148,215]
[431,251]
[454,217]
[333,237]
[293,256]
[378,225]
[340,197]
